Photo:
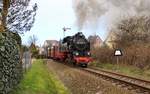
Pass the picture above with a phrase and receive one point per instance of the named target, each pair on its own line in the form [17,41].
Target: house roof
[50,42]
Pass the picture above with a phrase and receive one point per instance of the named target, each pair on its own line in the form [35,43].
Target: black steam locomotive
[78,48]
[73,49]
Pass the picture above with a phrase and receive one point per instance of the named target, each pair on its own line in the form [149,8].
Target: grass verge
[38,80]
[124,69]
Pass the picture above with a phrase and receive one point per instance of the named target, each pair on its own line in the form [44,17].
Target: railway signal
[64,30]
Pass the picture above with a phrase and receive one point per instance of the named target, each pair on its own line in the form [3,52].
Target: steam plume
[90,11]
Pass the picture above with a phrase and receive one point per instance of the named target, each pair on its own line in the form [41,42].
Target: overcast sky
[52,16]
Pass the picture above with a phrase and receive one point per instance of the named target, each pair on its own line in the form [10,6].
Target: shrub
[10,65]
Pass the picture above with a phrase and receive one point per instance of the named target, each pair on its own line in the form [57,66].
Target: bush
[10,65]
[136,55]
[104,55]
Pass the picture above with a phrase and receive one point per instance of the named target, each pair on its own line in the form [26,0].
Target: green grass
[125,69]
[38,80]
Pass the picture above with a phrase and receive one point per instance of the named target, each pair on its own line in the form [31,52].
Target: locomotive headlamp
[76,53]
[88,53]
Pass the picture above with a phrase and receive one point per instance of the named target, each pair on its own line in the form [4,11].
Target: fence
[26,61]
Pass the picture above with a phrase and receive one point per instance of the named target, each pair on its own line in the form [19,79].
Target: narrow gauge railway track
[134,84]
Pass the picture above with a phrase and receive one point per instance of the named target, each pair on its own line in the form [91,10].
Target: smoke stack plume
[88,11]
[112,11]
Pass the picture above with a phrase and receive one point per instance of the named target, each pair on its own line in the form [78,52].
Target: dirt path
[79,82]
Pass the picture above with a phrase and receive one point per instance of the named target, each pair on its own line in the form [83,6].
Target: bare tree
[32,40]
[135,30]
[133,36]
[16,16]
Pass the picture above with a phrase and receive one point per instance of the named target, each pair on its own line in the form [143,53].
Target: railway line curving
[136,85]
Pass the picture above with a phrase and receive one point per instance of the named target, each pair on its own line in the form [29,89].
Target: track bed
[81,82]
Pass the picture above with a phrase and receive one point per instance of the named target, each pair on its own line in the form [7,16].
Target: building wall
[95,41]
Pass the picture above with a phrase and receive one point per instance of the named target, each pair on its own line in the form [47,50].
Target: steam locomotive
[73,49]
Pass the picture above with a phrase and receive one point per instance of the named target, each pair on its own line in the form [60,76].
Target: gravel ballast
[80,82]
